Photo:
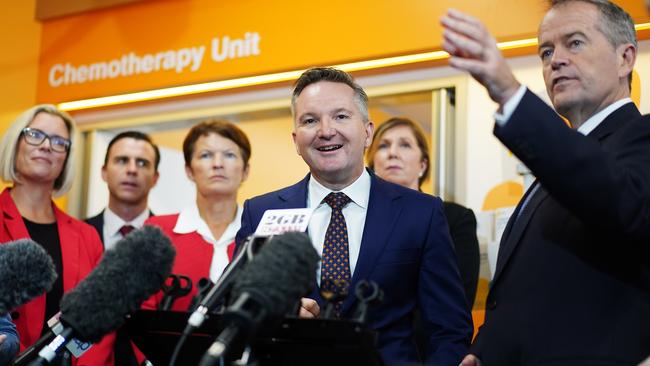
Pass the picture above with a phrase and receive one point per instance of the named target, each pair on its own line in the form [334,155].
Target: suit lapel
[382,213]
[296,197]
[517,225]
[615,120]
[515,214]
[518,222]
[12,221]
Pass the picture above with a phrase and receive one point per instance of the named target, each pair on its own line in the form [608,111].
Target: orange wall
[20,36]
[142,43]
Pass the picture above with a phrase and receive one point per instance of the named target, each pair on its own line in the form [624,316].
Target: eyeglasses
[36,137]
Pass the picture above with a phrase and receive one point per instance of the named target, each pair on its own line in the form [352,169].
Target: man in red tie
[130,171]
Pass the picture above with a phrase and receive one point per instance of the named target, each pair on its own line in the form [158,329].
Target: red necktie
[124,230]
[335,266]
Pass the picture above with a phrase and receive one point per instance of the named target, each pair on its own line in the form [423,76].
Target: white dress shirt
[113,224]
[189,221]
[354,213]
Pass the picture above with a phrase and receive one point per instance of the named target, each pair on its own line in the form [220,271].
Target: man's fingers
[458,15]
[474,67]
[308,308]
[463,46]
[304,313]
[476,32]
[470,360]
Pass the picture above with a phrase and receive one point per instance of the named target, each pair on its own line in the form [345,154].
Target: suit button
[492,305]
[15,315]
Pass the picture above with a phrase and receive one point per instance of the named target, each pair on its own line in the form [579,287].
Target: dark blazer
[462,227]
[406,249]
[572,282]
[124,355]
[97,222]
[8,348]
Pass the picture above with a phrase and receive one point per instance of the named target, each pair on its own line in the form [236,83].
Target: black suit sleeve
[603,178]
[462,227]
[245,230]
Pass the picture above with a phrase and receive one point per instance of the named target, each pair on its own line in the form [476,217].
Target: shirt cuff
[509,107]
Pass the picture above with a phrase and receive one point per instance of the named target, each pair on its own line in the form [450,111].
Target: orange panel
[164,43]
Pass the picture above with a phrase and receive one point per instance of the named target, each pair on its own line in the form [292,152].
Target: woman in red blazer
[216,159]
[37,158]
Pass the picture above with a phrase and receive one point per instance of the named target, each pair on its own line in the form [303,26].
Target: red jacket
[193,259]
[81,250]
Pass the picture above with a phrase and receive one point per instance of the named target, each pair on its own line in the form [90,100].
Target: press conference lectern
[294,342]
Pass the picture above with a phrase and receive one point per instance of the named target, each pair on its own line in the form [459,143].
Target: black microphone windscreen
[282,271]
[26,271]
[126,276]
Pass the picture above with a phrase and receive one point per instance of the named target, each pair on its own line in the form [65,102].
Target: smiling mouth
[329,148]
[560,80]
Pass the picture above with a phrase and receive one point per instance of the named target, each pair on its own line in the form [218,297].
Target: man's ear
[627,54]
[295,145]
[370,130]
[156,175]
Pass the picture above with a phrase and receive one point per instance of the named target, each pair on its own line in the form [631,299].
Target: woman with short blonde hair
[37,158]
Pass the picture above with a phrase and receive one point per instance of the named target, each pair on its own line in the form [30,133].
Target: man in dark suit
[572,282]
[130,171]
[392,235]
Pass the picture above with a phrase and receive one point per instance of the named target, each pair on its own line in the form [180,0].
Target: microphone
[126,276]
[213,298]
[276,278]
[26,271]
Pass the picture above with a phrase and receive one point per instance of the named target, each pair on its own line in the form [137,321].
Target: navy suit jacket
[405,249]
[8,348]
[97,222]
[572,282]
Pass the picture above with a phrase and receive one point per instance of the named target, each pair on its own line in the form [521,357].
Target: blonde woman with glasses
[37,159]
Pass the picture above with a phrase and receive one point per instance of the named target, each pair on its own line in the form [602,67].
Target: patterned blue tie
[335,271]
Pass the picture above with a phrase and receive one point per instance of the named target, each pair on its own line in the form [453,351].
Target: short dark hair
[137,135]
[420,138]
[615,23]
[333,75]
[221,128]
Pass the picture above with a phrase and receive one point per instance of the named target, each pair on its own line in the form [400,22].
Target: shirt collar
[189,221]
[358,191]
[114,223]
[595,120]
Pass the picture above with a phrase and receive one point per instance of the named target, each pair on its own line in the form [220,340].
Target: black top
[47,235]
